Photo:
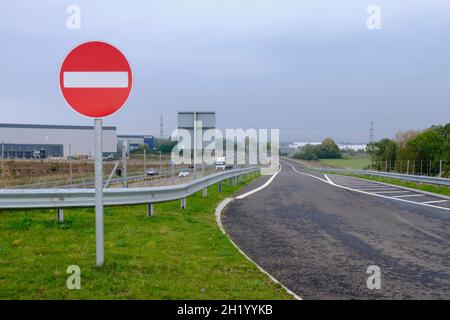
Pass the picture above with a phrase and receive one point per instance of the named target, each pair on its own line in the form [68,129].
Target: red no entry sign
[95,79]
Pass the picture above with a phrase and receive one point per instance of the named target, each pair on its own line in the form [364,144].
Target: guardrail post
[205,192]
[60,215]
[183,203]
[150,209]
[220,186]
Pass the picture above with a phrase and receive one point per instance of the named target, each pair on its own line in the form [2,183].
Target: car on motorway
[184,173]
[152,173]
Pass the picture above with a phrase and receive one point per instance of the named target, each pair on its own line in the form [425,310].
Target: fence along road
[63,198]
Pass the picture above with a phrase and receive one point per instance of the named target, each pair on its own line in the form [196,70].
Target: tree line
[328,149]
[414,152]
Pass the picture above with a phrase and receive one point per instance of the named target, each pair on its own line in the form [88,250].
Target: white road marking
[242,196]
[100,79]
[371,194]
[329,180]
[361,185]
[410,195]
[372,186]
[377,189]
[309,175]
[219,210]
[398,191]
[435,201]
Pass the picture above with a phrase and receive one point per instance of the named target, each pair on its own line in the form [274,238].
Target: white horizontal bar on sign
[97,79]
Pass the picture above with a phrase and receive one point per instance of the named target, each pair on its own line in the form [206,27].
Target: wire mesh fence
[431,168]
[132,171]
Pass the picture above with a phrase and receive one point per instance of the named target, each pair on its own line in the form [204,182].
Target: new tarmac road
[318,239]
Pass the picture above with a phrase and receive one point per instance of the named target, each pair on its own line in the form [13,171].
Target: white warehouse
[35,140]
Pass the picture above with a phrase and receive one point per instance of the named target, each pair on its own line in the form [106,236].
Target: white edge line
[219,210]
[310,175]
[242,196]
[371,194]
[329,180]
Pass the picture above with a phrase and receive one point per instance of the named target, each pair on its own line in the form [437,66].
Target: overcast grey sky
[310,68]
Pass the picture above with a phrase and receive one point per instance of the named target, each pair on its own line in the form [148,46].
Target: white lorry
[220,163]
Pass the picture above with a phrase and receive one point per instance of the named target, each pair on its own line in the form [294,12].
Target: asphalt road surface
[318,239]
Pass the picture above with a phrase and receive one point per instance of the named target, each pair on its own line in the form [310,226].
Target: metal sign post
[96,80]
[99,242]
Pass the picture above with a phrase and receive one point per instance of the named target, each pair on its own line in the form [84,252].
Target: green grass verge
[176,254]
[350,163]
[419,186]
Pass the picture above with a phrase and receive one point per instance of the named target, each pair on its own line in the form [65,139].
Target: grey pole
[220,186]
[440,168]
[70,163]
[407,167]
[160,161]
[3,161]
[60,215]
[150,209]
[124,161]
[195,145]
[145,162]
[111,175]
[99,242]
[203,167]
[173,172]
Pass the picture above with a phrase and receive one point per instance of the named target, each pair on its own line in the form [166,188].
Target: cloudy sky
[310,68]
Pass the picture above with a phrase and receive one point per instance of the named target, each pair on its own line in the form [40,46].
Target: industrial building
[41,141]
[134,141]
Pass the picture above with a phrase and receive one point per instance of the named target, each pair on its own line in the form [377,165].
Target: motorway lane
[318,240]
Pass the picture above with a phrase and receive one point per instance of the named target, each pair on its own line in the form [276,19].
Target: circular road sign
[95,79]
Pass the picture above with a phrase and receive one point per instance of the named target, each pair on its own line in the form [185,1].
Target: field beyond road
[348,163]
[176,254]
